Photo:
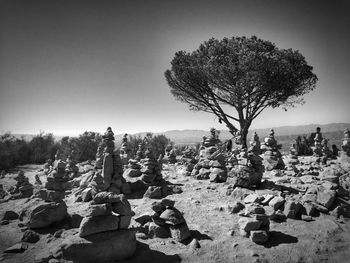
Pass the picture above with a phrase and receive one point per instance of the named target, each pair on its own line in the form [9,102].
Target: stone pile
[104,233]
[211,164]
[165,221]
[188,160]
[23,188]
[125,150]
[247,169]
[108,173]
[133,169]
[151,169]
[170,156]
[255,224]
[272,157]
[317,148]
[57,183]
[345,147]
[71,166]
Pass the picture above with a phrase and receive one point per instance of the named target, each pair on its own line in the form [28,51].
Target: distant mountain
[194,136]
[333,131]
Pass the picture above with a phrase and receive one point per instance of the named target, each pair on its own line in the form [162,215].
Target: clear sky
[71,66]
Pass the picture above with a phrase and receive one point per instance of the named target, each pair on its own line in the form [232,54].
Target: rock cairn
[57,183]
[104,233]
[165,221]
[150,168]
[23,189]
[212,163]
[108,174]
[255,224]
[170,156]
[255,145]
[246,168]
[345,147]
[71,166]
[188,160]
[271,154]
[125,150]
[317,148]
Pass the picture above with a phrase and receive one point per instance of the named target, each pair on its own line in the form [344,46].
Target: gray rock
[86,195]
[99,210]
[326,198]
[30,236]
[248,224]
[180,232]
[155,230]
[10,215]
[172,216]
[277,202]
[259,236]
[101,247]
[98,224]
[44,214]
[292,209]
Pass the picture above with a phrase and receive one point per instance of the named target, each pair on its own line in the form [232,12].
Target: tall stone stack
[248,170]
[211,163]
[345,152]
[151,169]
[104,233]
[108,175]
[23,188]
[125,150]
[57,183]
[170,156]
[272,157]
[317,148]
[188,160]
[71,168]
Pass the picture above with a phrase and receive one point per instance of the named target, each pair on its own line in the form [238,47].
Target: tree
[248,74]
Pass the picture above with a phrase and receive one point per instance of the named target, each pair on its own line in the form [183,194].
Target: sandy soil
[205,208]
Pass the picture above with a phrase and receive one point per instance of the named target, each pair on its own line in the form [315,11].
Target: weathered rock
[86,195]
[326,197]
[154,192]
[50,195]
[101,247]
[277,202]
[98,224]
[10,215]
[236,207]
[129,172]
[247,224]
[172,216]
[99,210]
[106,197]
[143,219]
[122,207]
[17,248]
[180,232]
[30,236]
[155,230]
[259,236]
[292,209]
[44,214]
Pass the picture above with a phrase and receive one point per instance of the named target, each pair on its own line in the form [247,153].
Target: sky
[72,66]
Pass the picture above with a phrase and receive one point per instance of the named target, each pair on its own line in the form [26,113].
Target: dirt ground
[205,208]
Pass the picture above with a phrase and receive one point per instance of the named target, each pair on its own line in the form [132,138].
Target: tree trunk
[244,125]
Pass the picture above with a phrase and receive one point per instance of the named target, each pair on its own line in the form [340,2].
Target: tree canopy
[248,74]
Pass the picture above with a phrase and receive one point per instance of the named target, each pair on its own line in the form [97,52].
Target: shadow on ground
[277,237]
[145,254]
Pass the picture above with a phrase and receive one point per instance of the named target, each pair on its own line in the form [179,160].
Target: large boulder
[44,214]
[101,247]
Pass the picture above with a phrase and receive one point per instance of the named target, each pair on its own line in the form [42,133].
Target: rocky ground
[207,209]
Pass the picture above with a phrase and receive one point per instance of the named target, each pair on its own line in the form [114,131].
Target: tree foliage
[246,74]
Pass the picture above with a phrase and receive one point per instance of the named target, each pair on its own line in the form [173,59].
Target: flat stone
[99,210]
[17,248]
[143,218]
[172,216]
[98,224]
[252,198]
[248,224]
